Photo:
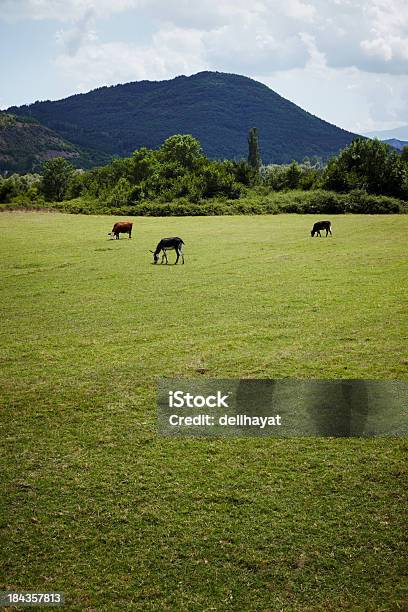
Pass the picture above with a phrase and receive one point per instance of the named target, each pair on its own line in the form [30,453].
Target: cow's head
[155,256]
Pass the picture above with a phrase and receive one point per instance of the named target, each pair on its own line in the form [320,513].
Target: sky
[345,61]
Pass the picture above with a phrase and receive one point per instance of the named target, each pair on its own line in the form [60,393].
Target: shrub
[358,201]
[325,203]
[120,195]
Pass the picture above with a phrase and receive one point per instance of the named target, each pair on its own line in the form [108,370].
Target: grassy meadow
[95,504]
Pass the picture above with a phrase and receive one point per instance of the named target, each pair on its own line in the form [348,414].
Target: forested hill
[216,108]
[25,145]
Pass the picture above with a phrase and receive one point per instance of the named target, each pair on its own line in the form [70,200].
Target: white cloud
[346,60]
[355,100]
[80,34]
[171,53]
[299,10]
[61,10]
[377,48]
[260,51]
[387,39]
[372,35]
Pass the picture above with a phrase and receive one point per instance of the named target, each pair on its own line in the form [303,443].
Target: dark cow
[168,244]
[321,225]
[121,227]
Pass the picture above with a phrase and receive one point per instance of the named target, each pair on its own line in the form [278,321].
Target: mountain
[216,108]
[400,133]
[397,144]
[25,144]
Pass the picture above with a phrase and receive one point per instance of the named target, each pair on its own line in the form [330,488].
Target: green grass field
[95,504]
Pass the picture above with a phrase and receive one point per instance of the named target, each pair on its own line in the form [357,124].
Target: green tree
[370,165]
[217,178]
[293,175]
[336,176]
[121,194]
[274,177]
[76,185]
[142,165]
[15,185]
[254,156]
[57,173]
[182,148]
[244,173]
[404,154]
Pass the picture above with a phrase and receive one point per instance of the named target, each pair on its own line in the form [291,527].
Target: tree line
[179,170]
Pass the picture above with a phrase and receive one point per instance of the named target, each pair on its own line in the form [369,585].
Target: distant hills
[25,144]
[400,133]
[397,144]
[397,137]
[216,108]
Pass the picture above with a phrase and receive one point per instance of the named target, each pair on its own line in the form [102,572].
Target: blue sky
[345,61]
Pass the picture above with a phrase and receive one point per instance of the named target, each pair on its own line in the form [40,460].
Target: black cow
[321,225]
[168,244]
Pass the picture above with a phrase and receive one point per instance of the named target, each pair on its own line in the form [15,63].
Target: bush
[217,179]
[120,195]
[26,185]
[326,203]
[314,202]
[358,201]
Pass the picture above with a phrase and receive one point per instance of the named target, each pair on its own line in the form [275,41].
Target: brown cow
[121,227]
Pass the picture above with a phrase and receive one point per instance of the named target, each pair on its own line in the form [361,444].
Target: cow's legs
[178,255]
[130,234]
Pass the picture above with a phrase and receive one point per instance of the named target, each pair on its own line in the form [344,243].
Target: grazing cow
[168,244]
[121,227]
[321,225]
